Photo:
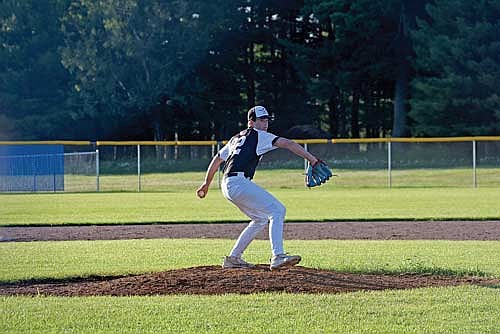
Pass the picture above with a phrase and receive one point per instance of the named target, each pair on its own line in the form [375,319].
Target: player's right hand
[202,191]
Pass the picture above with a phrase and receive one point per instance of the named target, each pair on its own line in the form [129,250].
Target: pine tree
[350,67]
[458,63]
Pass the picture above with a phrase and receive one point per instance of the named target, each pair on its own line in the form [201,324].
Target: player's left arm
[296,149]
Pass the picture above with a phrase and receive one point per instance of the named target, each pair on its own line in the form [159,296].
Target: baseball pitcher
[241,156]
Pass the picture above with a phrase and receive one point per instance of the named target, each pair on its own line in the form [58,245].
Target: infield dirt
[382,230]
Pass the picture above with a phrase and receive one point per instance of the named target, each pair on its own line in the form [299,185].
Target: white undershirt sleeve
[265,142]
[224,152]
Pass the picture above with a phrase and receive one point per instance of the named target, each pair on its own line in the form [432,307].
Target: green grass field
[42,260]
[430,310]
[322,204]
[351,196]
[467,309]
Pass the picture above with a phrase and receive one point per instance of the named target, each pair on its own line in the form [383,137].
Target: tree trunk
[342,114]
[379,111]
[369,110]
[400,96]
[250,76]
[355,114]
[402,77]
[158,132]
[279,63]
[333,111]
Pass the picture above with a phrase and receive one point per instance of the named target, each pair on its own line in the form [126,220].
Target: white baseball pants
[261,207]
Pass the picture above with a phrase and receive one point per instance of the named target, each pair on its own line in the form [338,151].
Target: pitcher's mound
[210,280]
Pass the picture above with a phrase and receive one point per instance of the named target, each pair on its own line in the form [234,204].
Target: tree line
[190,69]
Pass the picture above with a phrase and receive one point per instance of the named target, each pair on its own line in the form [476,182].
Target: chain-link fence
[383,162]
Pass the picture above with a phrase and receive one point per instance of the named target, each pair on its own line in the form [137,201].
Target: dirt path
[396,230]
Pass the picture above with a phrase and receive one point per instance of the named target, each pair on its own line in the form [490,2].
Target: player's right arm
[209,176]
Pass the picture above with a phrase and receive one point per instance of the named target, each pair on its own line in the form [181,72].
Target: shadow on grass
[62,280]
[434,271]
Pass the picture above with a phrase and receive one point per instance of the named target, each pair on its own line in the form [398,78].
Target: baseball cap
[257,112]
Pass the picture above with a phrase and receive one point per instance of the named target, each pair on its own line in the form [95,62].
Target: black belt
[237,174]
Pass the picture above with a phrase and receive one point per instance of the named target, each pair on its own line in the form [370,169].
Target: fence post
[97,169]
[389,164]
[474,169]
[33,165]
[54,173]
[139,168]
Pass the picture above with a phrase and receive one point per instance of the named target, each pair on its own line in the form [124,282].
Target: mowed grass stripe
[63,259]
[321,204]
[466,309]
[291,178]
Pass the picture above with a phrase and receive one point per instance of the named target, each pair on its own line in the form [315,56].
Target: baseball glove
[317,174]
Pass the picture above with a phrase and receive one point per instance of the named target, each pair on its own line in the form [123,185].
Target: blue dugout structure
[31,168]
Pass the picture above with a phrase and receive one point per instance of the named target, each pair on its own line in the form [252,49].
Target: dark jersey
[244,151]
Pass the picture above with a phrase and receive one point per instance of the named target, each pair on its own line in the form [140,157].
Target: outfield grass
[42,260]
[429,310]
[292,179]
[323,204]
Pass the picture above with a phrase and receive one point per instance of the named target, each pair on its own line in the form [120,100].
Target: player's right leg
[235,262]
[232,192]
[247,236]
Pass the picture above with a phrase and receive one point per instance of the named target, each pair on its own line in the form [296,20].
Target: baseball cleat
[283,260]
[235,262]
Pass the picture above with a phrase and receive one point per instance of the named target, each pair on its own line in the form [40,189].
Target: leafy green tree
[33,84]
[248,65]
[129,56]
[277,82]
[458,63]
[215,95]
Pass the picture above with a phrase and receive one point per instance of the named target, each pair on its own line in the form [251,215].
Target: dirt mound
[211,280]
